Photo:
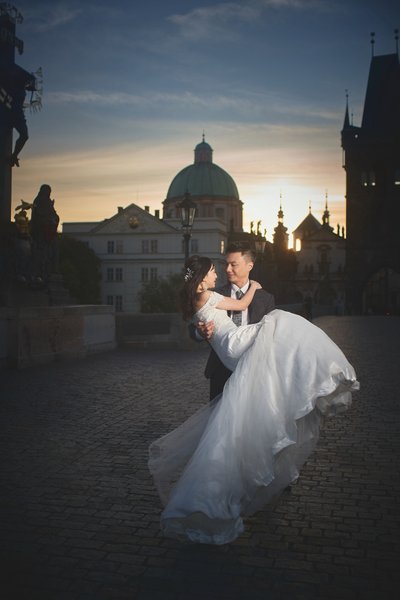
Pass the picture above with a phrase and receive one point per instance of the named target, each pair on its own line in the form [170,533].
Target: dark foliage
[80,268]
[161,296]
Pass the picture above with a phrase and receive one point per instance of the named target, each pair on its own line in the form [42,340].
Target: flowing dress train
[241,450]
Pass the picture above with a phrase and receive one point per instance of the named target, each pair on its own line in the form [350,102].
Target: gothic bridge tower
[371,159]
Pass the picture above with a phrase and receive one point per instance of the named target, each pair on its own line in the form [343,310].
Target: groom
[240,260]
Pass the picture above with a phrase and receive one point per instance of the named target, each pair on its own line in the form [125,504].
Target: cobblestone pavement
[79,514]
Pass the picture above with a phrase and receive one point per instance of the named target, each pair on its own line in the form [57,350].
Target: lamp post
[259,246]
[188,212]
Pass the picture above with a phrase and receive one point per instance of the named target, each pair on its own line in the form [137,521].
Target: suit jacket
[262,303]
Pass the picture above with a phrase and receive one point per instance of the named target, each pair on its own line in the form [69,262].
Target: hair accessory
[188,274]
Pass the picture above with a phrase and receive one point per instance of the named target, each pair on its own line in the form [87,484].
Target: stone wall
[161,330]
[41,334]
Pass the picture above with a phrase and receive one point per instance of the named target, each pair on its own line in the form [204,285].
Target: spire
[204,136]
[372,43]
[280,211]
[396,37]
[325,216]
[309,207]
[280,236]
[346,123]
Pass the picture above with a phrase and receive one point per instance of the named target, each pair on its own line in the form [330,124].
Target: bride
[241,450]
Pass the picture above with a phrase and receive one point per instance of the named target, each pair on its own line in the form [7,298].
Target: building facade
[136,247]
[371,159]
[321,256]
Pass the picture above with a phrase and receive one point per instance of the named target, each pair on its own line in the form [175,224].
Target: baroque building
[136,247]
[320,254]
[371,159]
[211,188]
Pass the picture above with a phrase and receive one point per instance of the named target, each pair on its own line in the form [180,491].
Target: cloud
[246,105]
[44,19]
[214,22]
[211,21]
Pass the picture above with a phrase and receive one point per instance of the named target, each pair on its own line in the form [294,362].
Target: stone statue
[43,229]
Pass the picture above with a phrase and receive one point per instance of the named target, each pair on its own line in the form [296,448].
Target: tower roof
[307,227]
[382,99]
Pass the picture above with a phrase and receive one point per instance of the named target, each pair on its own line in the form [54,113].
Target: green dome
[203,179]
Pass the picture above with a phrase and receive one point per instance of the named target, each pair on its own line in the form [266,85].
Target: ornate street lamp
[260,242]
[188,212]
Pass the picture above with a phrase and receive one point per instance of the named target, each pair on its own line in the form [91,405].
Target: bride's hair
[196,268]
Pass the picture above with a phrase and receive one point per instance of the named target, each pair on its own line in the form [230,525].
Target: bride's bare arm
[202,299]
[233,304]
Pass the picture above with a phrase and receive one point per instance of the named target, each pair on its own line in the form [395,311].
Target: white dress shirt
[234,289]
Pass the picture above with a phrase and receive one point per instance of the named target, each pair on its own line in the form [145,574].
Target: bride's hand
[257,285]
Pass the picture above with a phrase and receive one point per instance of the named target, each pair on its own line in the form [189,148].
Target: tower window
[368,179]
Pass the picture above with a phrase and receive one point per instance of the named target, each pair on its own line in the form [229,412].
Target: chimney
[120,209]
[147,208]
[157,214]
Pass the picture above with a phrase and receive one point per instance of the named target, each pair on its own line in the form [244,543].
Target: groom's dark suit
[215,371]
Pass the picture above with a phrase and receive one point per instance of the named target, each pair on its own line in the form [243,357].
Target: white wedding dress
[239,451]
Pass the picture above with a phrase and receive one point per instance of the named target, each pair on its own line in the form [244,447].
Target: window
[110,247]
[110,300]
[118,303]
[119,247]
[153,274]
[118,274]
[220,213]
[194,246]
[145,274]
[368,179]
[110,274]
[145,246]
[154,246]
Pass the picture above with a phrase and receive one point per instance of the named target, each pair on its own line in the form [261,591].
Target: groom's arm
[262,304]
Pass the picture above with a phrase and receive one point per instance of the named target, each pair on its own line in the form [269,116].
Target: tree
[161,296]
[80,268]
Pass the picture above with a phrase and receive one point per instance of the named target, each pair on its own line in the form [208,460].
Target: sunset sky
[130,86]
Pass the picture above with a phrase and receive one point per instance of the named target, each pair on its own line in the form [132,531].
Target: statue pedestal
[15,294]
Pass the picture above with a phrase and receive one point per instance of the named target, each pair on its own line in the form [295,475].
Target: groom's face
[238,268]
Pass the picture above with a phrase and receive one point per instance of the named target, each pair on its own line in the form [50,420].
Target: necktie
[237,314]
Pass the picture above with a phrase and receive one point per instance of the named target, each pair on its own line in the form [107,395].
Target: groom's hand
[205,329]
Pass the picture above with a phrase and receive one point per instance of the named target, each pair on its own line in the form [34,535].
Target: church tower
[371,159]
[281,237]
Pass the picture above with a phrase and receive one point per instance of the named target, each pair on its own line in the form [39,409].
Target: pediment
[132,220]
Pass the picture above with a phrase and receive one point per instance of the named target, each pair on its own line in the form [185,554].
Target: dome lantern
[203,152]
